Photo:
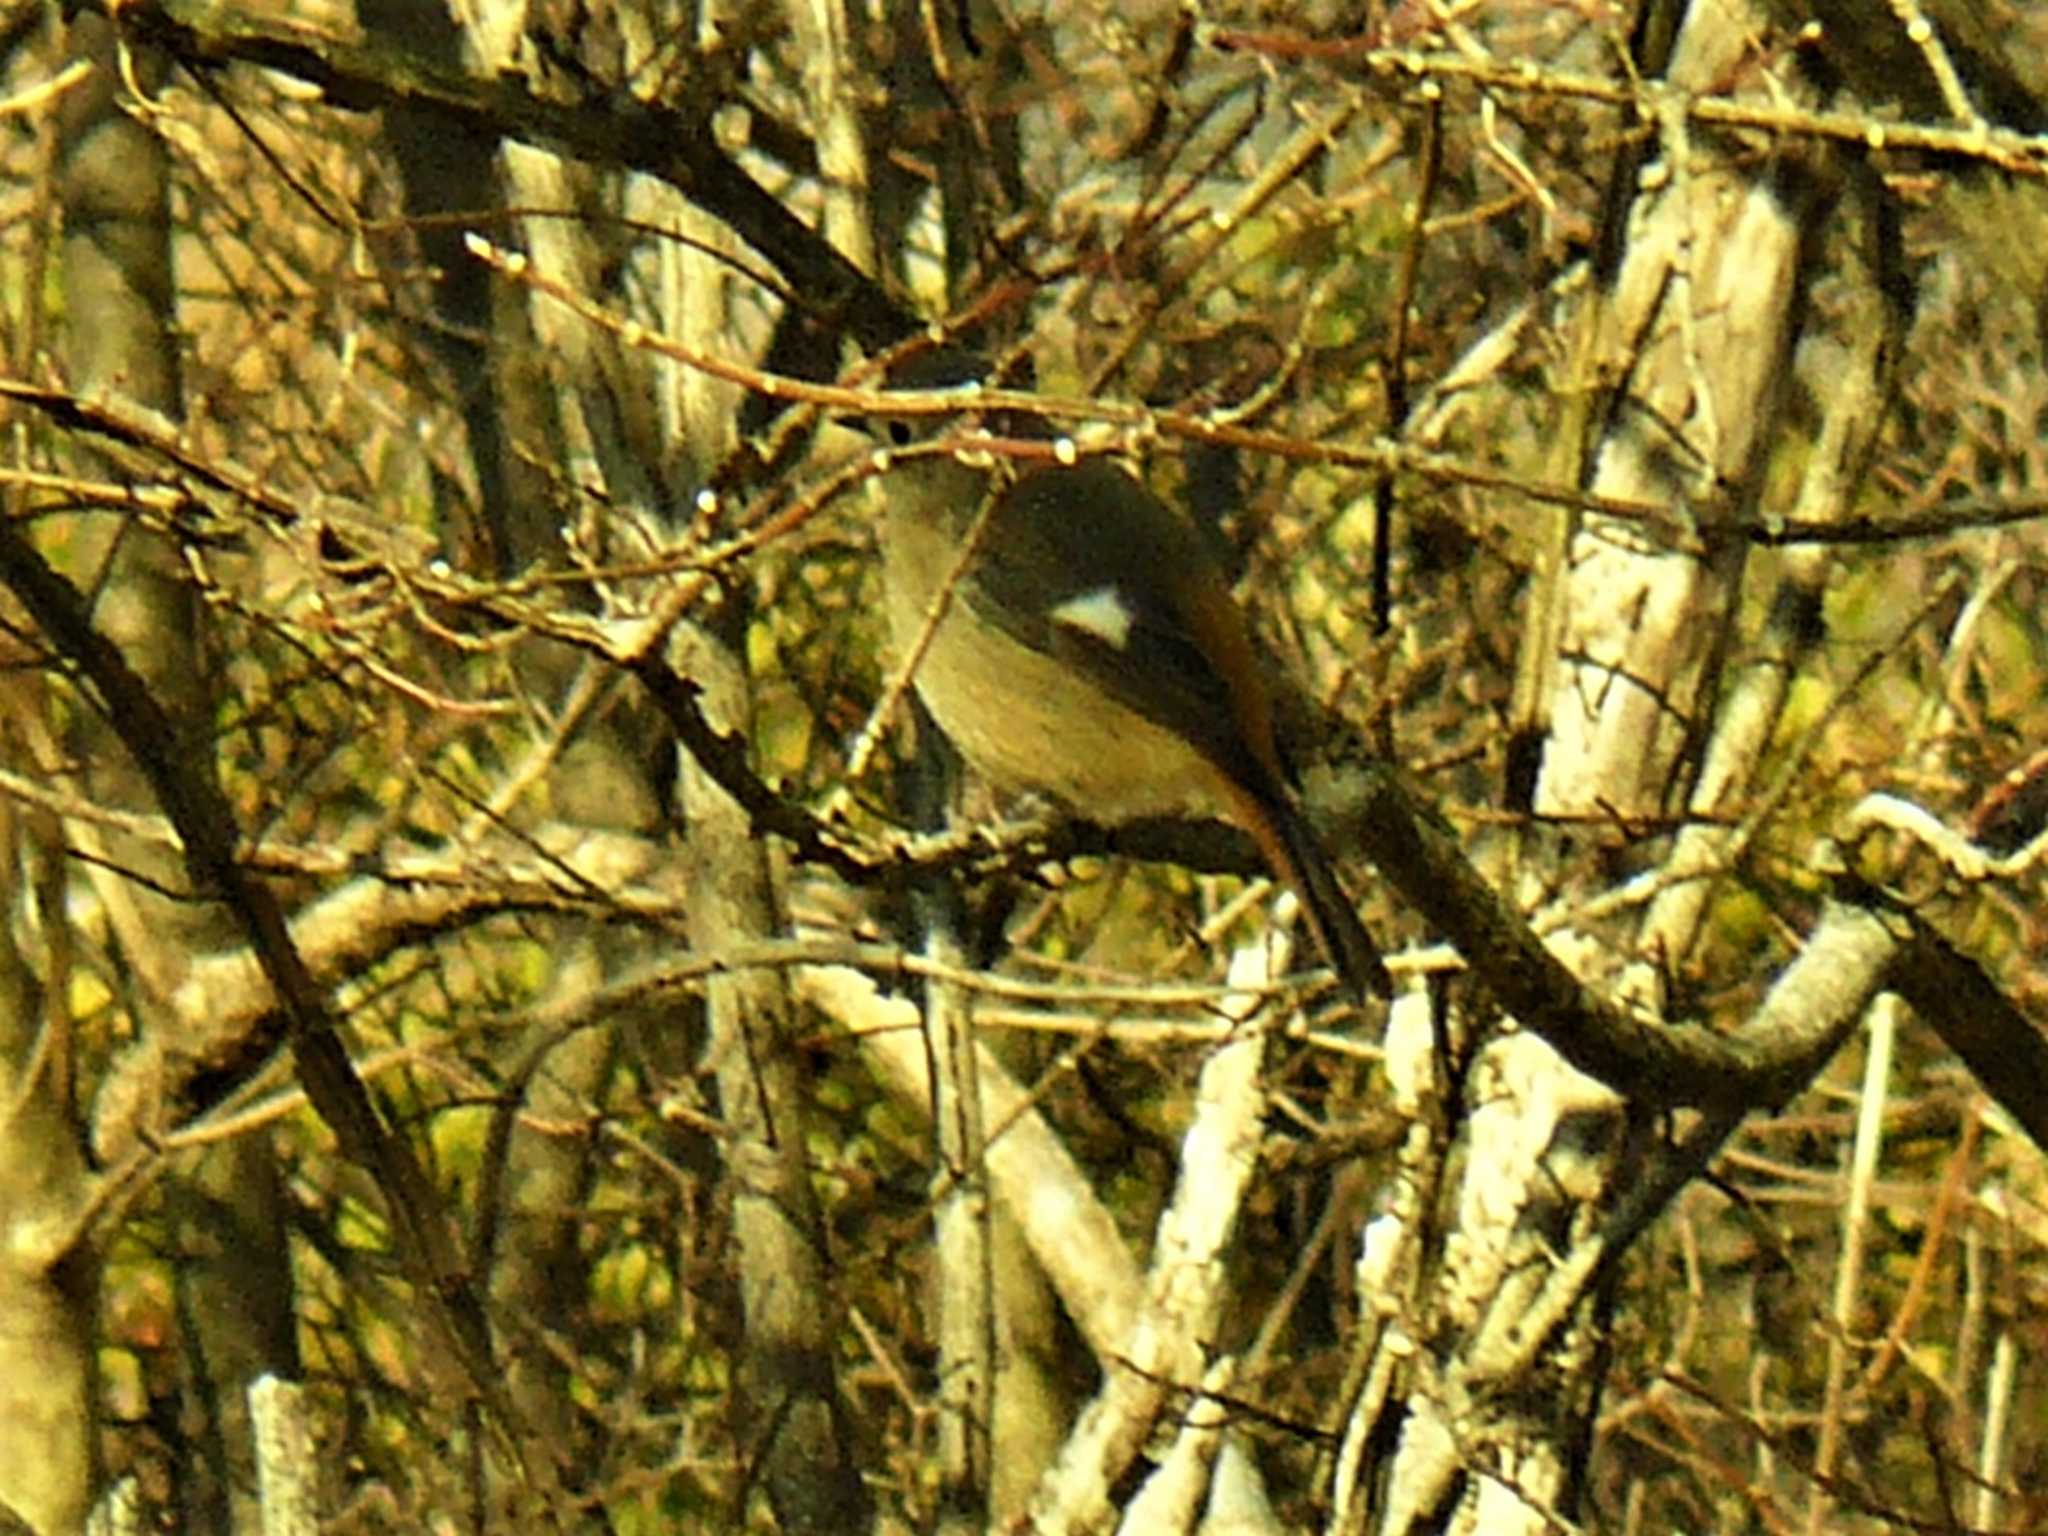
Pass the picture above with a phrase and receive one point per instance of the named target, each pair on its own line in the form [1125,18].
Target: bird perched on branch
[1086,647]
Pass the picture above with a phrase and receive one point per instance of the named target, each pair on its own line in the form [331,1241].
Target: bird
[1088,649]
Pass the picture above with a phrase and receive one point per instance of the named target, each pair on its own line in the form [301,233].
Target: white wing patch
[1101,612]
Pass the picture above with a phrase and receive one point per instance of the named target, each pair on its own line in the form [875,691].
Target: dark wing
[1097,570]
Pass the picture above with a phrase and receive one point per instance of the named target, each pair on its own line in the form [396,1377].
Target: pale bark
[788,1405]
[964,1292]
[1698,322]
[287,1465]
[46,1273]
[116,270]
[234,1276]
[1147,1328]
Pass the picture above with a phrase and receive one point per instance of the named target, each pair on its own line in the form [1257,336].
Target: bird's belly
[1026,722]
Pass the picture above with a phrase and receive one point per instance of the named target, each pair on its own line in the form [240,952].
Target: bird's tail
[1296,857]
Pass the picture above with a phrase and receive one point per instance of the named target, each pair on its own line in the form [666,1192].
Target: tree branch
[183,783]
[675,145]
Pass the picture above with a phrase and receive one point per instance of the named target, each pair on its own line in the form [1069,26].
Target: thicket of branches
[470,943]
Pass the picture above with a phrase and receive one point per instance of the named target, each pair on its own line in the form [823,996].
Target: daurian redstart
[1090,651]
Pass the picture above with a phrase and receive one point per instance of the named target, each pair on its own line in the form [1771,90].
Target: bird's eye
[899,434]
